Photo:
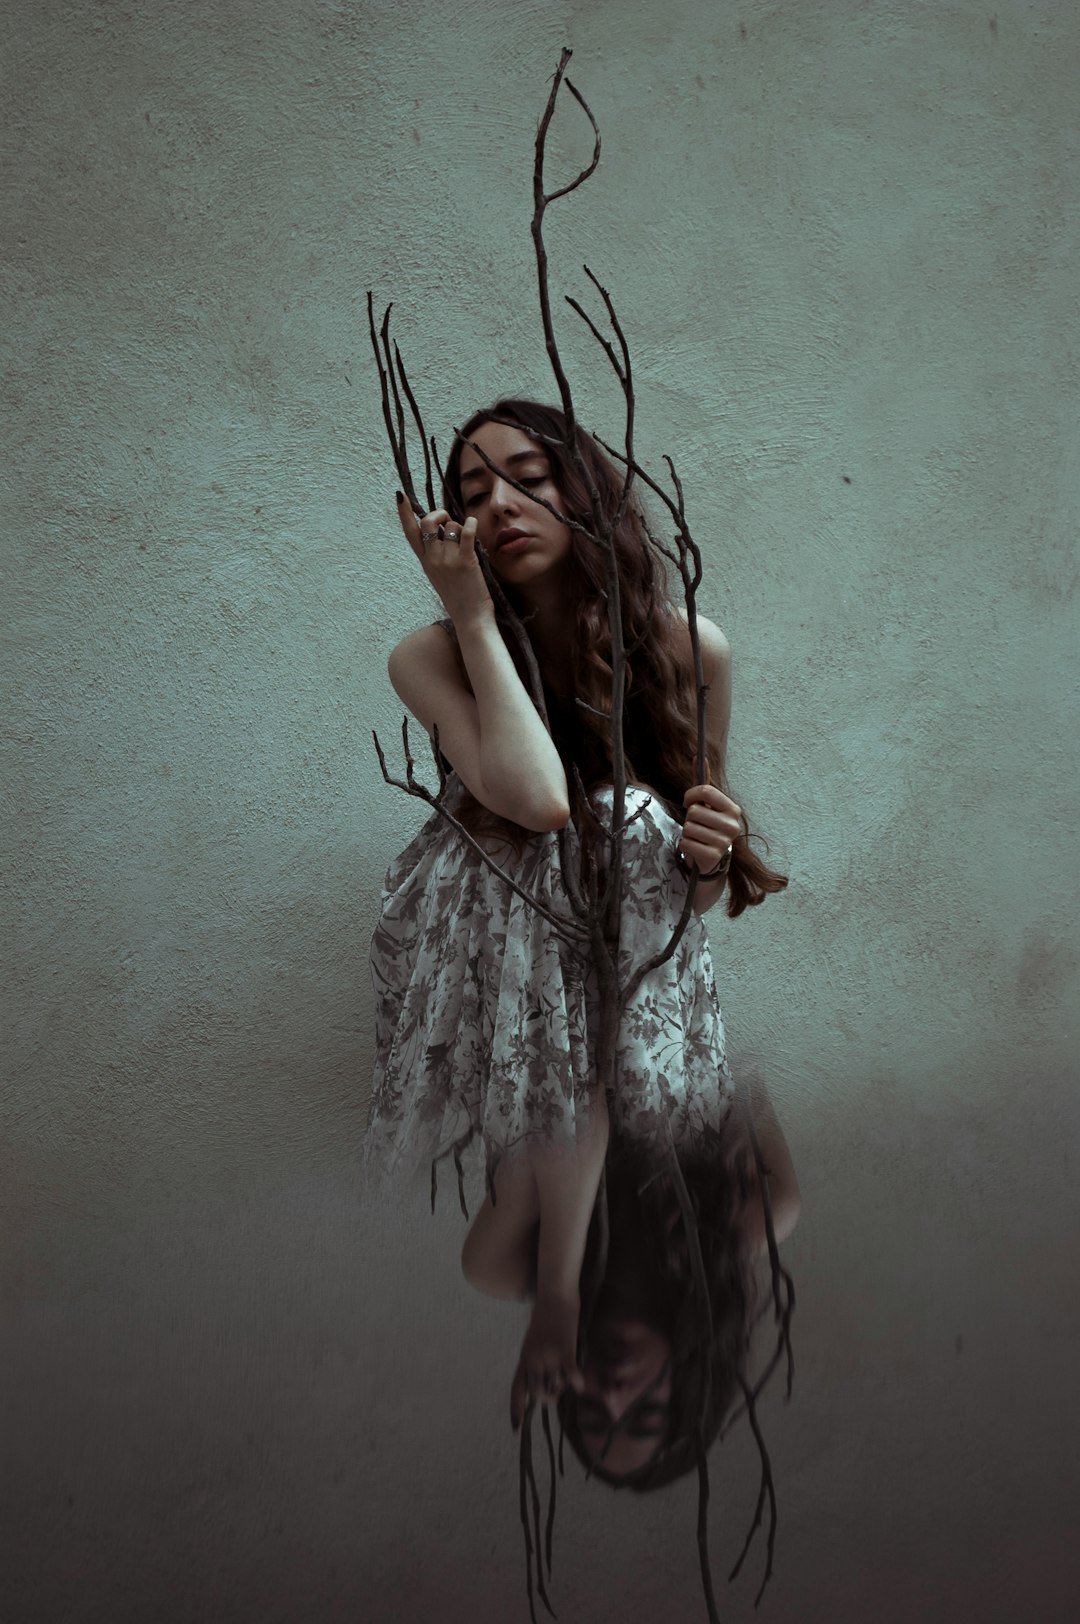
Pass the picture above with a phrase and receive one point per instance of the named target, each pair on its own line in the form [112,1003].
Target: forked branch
[593,923]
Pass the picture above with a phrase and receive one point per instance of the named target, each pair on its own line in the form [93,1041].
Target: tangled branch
[594,918]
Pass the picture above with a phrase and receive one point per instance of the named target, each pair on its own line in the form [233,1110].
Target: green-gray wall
[842,239]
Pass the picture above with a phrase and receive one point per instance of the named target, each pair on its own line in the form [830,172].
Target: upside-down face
[625,1357]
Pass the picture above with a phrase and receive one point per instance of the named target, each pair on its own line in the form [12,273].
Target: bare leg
[535,1233]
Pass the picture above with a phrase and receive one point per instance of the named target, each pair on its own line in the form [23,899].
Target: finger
[709,795]
[706,818]
[416,528]
[704,854]
[712,800]
[460,536]
[431,522]
[407,520]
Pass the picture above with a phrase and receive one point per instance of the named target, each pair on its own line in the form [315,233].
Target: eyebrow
[518,456]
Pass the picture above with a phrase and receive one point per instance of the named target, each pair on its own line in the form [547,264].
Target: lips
[508,535]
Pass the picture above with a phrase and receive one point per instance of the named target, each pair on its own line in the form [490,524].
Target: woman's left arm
[701,839]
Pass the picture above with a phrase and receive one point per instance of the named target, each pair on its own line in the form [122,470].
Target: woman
[486,1016]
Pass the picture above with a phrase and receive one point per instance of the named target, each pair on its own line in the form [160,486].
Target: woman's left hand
[713,823]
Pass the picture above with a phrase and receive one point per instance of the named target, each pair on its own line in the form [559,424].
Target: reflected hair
[644,1211]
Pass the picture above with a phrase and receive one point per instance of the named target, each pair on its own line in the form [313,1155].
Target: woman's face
[497,506]
[625,1356]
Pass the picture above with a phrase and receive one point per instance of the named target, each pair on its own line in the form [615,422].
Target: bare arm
[493,734]
[716,671]
[493,737]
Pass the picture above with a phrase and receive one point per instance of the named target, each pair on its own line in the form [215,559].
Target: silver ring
[448,537]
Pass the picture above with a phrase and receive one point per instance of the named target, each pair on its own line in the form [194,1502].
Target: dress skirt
[486,1019]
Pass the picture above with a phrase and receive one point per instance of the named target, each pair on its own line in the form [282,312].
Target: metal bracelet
[714,873]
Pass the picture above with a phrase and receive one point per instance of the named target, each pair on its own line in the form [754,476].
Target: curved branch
[567,927]
[429,488]
[538,177]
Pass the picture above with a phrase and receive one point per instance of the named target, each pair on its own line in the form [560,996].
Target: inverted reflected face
[625,1356]
[496,505]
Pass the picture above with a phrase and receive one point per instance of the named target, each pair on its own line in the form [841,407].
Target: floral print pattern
[486,1018]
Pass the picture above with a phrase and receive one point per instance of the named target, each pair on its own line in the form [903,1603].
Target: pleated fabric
[486,1019]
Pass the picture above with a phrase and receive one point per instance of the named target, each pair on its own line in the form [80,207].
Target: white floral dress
[486,1018]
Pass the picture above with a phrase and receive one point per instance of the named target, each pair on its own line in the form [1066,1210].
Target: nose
[608,1387]
[618,1400]
[503,495]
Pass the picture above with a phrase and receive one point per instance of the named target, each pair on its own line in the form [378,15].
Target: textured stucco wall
[842,238]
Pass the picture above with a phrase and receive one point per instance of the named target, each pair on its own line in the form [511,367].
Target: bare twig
[549,1528]
[703,1530]
[766,1491]
[454,1150]
[594,920]
[534,496]
[428,486]
[532,1534]
[559,921]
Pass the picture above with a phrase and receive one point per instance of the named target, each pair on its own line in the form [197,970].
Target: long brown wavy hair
[660,704]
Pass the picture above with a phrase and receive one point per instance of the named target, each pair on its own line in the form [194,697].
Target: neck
[547,630]
[550,644]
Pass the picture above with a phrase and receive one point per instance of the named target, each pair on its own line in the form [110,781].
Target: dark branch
[596,917]
[703,1530]
[569,927]
[429,488]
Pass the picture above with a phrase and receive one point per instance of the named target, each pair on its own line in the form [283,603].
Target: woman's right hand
[452,567]
[548,1361]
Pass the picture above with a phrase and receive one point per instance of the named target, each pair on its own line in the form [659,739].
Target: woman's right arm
[493,736]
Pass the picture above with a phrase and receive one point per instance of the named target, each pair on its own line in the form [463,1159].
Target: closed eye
[478,495]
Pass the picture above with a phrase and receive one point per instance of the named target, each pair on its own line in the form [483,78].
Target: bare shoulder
[434,637]
[715,648]
[430,649]
[423,668]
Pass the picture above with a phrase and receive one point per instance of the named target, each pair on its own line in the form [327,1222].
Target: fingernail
[400,497]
